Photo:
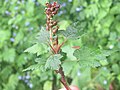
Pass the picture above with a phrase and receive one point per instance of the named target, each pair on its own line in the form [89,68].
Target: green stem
[54,86]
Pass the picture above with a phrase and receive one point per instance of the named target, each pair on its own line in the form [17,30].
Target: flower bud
[55,3]
[54,23]
[55,12]
[57,6]
[55,30]
[47,4]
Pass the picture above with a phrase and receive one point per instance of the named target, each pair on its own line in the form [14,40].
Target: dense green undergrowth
[98,25]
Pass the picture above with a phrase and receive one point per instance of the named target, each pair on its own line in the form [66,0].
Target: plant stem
[50,11]
[51,34]
[63,81]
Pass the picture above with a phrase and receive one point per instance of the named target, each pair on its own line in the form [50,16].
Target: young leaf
[70,33]
[53,62]
[74,31]
[43,36]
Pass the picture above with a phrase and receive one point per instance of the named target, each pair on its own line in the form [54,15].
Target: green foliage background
[21,20]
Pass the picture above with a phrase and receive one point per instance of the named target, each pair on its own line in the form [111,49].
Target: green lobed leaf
[69,51]
[65,25]
[102,55]
[43,36]
[47,85]
[19,37]
[116,68]
[73,31]
[21,60]
[106,3]
[9,55]
[40,64]
[90,57]
[91,10]
[12,83]
[33,67]
[69,64]
[30,5]
[53,62]
[4,36]
[37,48]
[4,74]
[75,5]
[86,57]
[107,21]
[70,33]
[115,9]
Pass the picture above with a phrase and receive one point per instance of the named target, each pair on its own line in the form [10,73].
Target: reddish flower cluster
[50,11]
[51,25]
